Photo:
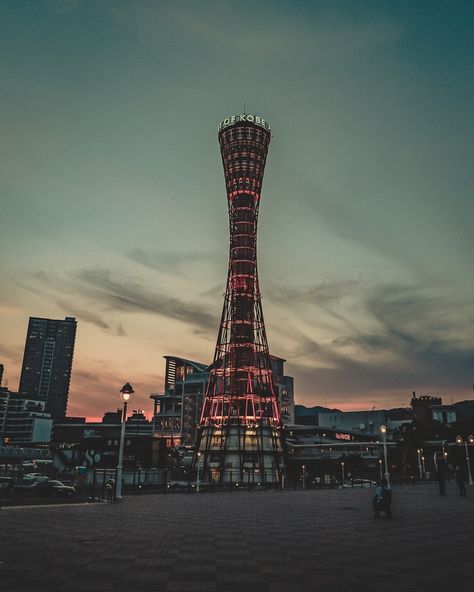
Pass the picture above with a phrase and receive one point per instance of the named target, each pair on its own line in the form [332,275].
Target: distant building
[464,409]
[366,423]
[177,410]
[47,363]
[138,425]
[285,391]
[4,396]
[95,444]
[443,413]
[422,404]
[2,368]
[112,416]
[23,420]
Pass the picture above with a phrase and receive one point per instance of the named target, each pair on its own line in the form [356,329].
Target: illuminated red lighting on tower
[240,423]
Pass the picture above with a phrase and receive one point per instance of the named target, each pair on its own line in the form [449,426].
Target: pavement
[266,541]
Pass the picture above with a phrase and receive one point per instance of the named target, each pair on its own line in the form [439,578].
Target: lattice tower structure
[240,428]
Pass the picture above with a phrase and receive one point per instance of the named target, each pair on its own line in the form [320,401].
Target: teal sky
[113,203]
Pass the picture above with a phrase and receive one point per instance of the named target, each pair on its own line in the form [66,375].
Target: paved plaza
[247,541]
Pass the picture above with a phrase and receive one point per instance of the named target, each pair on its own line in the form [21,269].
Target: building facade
[177,411]
[47,363]
[284,388]
[23,420]
[77,442]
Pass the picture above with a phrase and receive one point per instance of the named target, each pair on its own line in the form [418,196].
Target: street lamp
[304,477]
[383,431]
[321,436]
[423,465]
[342,470]
[126,392]
[380,468]
[419,451]
[468,441]
[198,468]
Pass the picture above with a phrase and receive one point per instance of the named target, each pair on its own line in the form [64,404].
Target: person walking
[382,501]
[441,477]
[110,490]
[461,480]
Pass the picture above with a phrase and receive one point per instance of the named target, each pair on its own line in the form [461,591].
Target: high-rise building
[47,363]
[240,422]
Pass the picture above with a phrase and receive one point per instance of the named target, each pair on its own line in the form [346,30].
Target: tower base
[236,453]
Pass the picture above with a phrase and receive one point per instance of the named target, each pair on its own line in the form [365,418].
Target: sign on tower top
[256,119]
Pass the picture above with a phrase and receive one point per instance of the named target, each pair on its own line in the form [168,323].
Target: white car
[359,483]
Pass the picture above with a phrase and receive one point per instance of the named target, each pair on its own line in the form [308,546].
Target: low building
[364,423]
[23,420]
[96,444]
[422,405]
[443,413]
[464,409]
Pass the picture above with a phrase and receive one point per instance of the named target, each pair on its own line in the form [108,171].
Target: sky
[113,202]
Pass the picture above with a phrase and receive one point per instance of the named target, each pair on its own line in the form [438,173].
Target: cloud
[83,315]
[416,345]
[89,317]
[132,297]
[125,295]
[169,261]
[66,6]
[95,388]
[351,224]
[271,32]
[10,353]
[326,296]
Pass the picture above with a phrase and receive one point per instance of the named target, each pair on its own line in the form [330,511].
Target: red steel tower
[240,422]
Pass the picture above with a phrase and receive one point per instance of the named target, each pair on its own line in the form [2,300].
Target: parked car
[360,483]
[179,484]
[34,475]
[26,484]
[52,488]
[6,485]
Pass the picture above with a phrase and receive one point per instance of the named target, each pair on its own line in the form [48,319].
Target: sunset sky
[113,204]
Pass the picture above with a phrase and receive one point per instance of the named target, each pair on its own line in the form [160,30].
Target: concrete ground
[290,541]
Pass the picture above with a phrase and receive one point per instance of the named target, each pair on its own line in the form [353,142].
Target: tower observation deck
[240,423]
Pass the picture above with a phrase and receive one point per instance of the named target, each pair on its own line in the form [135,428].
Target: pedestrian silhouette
[461,480]
[382,501]
[441,475]
[110,490]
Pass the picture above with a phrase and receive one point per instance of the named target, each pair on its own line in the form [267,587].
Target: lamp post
[468,441]
[198,469]
[419,451]
[126,392]
[304,477]
[423,465]
[383,430]
[321,445]
[342,471]
[380,468]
